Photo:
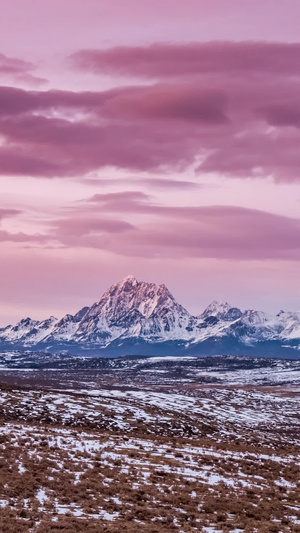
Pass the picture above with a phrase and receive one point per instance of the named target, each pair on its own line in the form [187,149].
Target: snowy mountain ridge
[139,317]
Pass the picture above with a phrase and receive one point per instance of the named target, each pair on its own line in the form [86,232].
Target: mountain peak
[217,308]
[130,303]
[130,278]
[124,284]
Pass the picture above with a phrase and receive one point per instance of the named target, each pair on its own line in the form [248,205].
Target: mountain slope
[135,317]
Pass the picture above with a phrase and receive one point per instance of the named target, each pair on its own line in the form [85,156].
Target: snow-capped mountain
[218,309]
[143,318]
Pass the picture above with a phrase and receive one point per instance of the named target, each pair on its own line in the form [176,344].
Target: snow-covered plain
[162,444]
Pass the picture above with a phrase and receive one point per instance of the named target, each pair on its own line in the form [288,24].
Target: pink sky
[159,139]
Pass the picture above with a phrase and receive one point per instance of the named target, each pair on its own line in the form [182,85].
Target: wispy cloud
[19,71]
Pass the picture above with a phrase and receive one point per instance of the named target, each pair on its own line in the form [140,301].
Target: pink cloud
[9,65]
[73,149]
[163,60]
[282,114]
[184,102]
[86,226]
[104,223]
[221,118]
[169,102]
[226,232]
[15,161]
[6,236]
[257,154]
[167,184]
[5,213]
[18,70]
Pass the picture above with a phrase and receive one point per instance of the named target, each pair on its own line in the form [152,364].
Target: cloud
[219,235]
[169,102]
[61,147]
[278,114]
[6,213]
[222,108]
[132,224]
[14,162]
[18,237]
[163,60]
[121,201]
[227,232]
[179,102]
[257,154]
[18,70]
[86,226]
[6,236]
[167,183]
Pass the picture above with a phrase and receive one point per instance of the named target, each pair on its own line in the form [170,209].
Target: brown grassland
[203,460]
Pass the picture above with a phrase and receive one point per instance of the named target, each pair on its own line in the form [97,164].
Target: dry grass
[175,470]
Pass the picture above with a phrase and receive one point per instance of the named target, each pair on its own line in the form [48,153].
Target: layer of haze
[159,139]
